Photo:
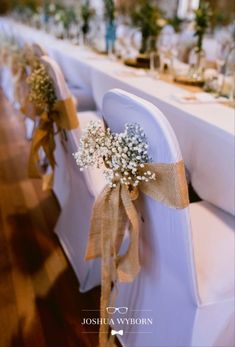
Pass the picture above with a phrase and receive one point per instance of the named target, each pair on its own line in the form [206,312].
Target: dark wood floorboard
[40,305]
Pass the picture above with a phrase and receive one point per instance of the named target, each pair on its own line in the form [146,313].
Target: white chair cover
[189,305]
[76,191]
[74,221]
[7,83]
[29,127]
[61,177]
[38,50]
[6,79]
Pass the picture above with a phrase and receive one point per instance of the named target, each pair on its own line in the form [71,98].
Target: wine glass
[222,52]
[166,48]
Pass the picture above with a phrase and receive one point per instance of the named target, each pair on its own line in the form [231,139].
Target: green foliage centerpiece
[109,11]
[87,12]
[201,23]
[148,18]
[195,74]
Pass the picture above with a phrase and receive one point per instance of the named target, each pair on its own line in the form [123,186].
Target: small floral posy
[121,156]
[42,92]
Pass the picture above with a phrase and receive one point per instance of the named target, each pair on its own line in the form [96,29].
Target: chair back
[167,267]
[61,185]
[38,50]
[61,88]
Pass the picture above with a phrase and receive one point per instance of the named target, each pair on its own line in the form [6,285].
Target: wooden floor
[40,305]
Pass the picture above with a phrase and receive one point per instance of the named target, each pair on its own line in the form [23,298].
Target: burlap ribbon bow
[113,209]
[64,115]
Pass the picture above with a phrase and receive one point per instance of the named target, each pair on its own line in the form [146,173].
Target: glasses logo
[121,310]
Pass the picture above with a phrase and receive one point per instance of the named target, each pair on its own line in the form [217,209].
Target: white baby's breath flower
[119,155]
[41,89]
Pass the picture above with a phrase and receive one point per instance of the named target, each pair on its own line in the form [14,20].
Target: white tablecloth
[205,131]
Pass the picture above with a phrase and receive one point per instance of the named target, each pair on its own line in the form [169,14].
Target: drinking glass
[154,64]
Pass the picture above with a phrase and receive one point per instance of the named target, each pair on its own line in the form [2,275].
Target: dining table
[205,127]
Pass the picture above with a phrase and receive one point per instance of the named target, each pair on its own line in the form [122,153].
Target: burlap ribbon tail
[112,211]
[64,116]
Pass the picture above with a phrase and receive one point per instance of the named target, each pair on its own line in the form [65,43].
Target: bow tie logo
[116,332]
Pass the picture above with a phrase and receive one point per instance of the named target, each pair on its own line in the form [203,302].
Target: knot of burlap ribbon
[113,210]
[64,115]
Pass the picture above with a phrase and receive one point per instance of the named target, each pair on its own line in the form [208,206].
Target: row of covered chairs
[186,284]
[187,255]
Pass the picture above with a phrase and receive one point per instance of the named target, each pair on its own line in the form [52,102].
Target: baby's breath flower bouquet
[120,155]
[41,89]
